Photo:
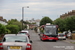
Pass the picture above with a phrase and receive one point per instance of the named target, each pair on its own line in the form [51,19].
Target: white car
[61,36]
[25,31]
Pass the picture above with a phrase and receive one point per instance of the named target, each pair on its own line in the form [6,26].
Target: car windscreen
[61,34]
[23,33]
[50,30]
[15,38]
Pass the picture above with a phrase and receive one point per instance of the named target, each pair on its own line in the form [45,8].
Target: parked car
[69,34]
[61,36]
[24,33]
[65,32]
[15,42]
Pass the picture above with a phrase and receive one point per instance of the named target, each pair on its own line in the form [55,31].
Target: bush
[2,29]
[13,28]
[35,29]
[25,26]
[15,22]
[7,31]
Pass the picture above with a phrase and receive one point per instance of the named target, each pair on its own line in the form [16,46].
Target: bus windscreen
[50,30]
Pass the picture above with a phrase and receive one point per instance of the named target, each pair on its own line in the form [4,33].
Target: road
[49,45]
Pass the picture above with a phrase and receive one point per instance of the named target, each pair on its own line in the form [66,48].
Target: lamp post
[23,15]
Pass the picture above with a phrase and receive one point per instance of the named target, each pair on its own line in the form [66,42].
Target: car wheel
[41,39]
[55,40]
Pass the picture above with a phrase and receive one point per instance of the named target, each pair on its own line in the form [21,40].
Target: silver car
[15,42]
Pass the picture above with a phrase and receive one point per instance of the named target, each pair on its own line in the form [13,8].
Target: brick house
[69,14]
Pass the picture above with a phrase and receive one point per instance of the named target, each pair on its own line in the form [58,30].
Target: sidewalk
[70,41]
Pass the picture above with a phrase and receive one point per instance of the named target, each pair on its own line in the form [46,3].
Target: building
[32,20]
[32,26]
[37,21]
[27,26]
[69,14]
[2,21]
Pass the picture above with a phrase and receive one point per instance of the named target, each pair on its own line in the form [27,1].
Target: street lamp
[23,15]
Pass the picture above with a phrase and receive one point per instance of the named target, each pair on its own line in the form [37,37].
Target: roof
[25,31]
[38,20]
[15,35]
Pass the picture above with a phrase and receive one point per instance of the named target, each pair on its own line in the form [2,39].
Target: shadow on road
[49,41]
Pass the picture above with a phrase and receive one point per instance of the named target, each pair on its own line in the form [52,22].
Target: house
[32,20]
[2,21]
[37,22]
[69,14]
[32,26]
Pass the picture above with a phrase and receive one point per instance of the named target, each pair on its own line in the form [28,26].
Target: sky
[12,9]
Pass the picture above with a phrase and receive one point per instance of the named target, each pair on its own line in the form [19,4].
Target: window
[14,38]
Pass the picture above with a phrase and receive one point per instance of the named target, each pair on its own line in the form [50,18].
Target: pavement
[69,41]
[49,45]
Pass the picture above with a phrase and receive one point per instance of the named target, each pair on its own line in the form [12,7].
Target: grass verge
[72,42]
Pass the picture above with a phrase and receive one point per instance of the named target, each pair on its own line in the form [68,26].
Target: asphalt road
[49,45]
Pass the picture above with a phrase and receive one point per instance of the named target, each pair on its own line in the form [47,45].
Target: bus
[49,32]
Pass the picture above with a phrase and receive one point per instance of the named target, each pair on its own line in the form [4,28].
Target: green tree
[5,20]
[70,23]
[45,20]
[12,21]
[25,26]
[35,29]
[13,28]
[7,31]
[33,23]
[25,22]
[60,22]
[19,24]
[2,29]
[15,22]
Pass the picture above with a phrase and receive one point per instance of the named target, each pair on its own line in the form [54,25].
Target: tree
[26,22]
[70,23]
[5,20]
[60,23]
[45,20]
[2,29]
[7,31]
[25,26]
[13,28]
[19,24]
[35,29]
[15,22]
[12,20]
[33,23]
[66,24]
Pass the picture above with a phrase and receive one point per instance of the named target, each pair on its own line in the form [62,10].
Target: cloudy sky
[11,9]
